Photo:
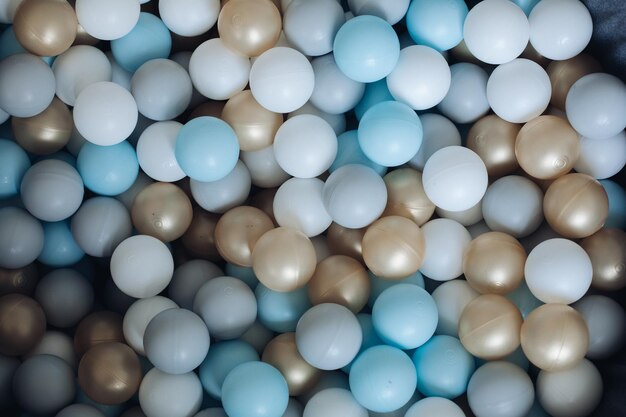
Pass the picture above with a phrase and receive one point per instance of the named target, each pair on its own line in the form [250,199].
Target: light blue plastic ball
[222,358]
[243,273]
[436,23]
[207,149]
[405,316]
[443,367]
[366,48]
[617,204]
[375,93]
[349,152]
[378,285]
[108,170]
[390,133]
[255,389]
[59,247]
[149,39]
[383,379]
[14,163]
[526,5]
[370,338]
[280,311]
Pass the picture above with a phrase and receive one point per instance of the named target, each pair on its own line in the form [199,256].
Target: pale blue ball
[443,367]
[280,311]
[526,5]
[383,379]
[255,389]
[390,133]
[374,93]
[14,163]
[222,358]
[59,247]
[9,45]
[366,48]
[108,170]
[349,152]
[405,316]
[436,23]
[370,338]
[244,273]
[617,204]
[378,285]
[207,149]
[149,39]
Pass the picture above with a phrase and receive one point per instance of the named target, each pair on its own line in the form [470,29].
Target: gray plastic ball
[257,336]
[227,306]
[52,190]
[176,341]
[56,344]
[44,384]
[330,379]
[21,238]
[188,278]
[100,224]
[8,366]
[606,321]
[27,85]
[65,296]
[80,410]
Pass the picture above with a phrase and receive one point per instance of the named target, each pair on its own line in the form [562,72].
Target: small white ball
[298,204]
[155,152]
[189,17]
[466,100]
[108,20]
[602,158]
[434,406]
[334,92]
[336,121]
[311,26]
[445,242]
[334,402]
[224,194]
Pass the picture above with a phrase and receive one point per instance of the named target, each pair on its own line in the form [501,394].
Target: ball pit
[288,208]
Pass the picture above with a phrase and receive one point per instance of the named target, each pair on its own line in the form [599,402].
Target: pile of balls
[318,208]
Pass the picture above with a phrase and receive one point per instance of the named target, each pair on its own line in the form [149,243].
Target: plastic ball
[438,24]
[108,170]
[466,100]
[439,132]
[349,152]
[22,238]
[378,285]
[519,90]
[280,311]
[374,93]
[596,105]
[139,315]
[14,163]
[560,29]
[334,92]
[225,193]
[493,139]
[383,378]
[167,395]
[60,248]
[390,133]
[334,402]
[155,151]
[110,20]
[222,358]
[602,158]
[27,85]
[563,74]
[264,169]
[336,121]
[605,320]
[255,389]
[311,26]
[189,18]
[496,32]
[65,296]
[617,201]
[148,255]
[328,336]
[434,406]
[392,12]
[98,327]
[298,204]
[445,242]
[366,48]
[282,79]
[23,324]
[46,133]
[607,251]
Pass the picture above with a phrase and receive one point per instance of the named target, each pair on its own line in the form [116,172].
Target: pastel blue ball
[280,311]
[436,23]
[108,170]
[374,93]
[617,204]
[243,273]
[383,379]
[59,247]
[349,152]
[370,338]
[222,358]
[378,285]
[405,315]
[14,163]
[207,149]
[443,367]
[366,48]
[255,389]
[149,39]
[526,5]
[390,133]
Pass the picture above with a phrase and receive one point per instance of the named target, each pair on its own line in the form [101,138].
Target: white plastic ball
[305,146]
[496,31]
[606,321]
[466,100]
[298,204]
[334,92]
[391,11]
[455,178]
[434,406]
[155,152]
[439,132]
[334,402]
[451,298]
[222,195]
[421,77]
[189,17]
[336,121]
[139,315]
[310,26]
[142,266]
[445,242]
[105,113]
[281,79]
[602,158]
[107,20]
[167,395]
[560,29]
[218,72]
[558,271]
[264,170]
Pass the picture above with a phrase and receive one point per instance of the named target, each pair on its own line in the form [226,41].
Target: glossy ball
[98,327]
[237,232]
[607,251]
[45,133]
[23,324]
[493,139]
[342,280]
[406,196]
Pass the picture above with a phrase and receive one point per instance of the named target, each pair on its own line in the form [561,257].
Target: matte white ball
[391,11]
[606,321]
[466,100]
[155,152]
[439,132]
[311,26]
[328,336]
[336,121]
[105,113]
[451,298]
[574,392]
[596,105]
[167,395]
[222,195]
[218,72]
[77,68]
[142,266]
[602,158]
[558,271]
[107,20]
[496,31]
[455,178]
[305,146]
[139,315]
[298,204]
[421,77]
[27,85]
[467,217]
[560,29]
[519,91]
[264,170]
[281,79]
[334,92]
[334,402]
[434,406]
[445,242]
[189,17]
